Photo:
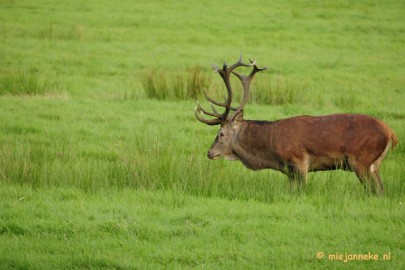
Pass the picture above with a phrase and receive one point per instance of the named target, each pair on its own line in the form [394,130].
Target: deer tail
[394,140]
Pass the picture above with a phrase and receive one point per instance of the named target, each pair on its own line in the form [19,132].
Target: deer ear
[238,118]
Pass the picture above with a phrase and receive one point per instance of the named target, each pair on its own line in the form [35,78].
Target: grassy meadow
[103,164]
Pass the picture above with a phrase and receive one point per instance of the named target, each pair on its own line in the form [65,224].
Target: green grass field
[103,165]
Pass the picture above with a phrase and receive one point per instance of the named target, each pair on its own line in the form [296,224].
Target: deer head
[222,145]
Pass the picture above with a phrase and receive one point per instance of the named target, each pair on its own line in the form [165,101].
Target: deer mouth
[231,157]
[213,156]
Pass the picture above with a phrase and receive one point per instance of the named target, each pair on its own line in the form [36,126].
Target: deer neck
[249,143]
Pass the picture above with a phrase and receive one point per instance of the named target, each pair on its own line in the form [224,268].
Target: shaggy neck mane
[257,122]
[255,133]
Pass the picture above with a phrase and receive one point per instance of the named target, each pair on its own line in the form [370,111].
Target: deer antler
[225,73]
[246,80]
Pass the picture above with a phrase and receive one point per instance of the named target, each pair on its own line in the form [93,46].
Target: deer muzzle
[212,155]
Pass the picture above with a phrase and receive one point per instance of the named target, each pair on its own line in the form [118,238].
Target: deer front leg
[297,175]
[297,180]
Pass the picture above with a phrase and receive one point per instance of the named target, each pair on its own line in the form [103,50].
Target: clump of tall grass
[191,84]
[276,91]
[176,85]
[198,79]
[153,83]
[25,83]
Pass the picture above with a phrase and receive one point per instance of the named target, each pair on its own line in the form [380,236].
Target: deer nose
[212,155]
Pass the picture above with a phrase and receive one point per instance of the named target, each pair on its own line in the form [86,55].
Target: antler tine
[201,109]
[211,122]
[214,101]
[220,117]
[239,64]
[227,70]
[213,108]
[255,68]
[215,67]
[252,62]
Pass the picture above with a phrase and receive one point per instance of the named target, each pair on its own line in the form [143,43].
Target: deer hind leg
[365,178]
[375,168]
[362,172]
[378,185]
[369,174]
[370,178]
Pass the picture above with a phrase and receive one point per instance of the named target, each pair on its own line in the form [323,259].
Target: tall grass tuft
[191,84]
[25,83]
[198,80]
[156,85]
[276,91]
[176,85]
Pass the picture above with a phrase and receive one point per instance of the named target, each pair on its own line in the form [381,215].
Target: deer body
[301,144]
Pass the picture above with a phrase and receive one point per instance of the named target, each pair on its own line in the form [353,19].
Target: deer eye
[221,134]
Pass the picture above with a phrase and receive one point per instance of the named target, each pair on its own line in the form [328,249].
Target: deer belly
[328,163]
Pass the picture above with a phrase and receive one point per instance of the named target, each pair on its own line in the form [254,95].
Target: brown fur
[300,144]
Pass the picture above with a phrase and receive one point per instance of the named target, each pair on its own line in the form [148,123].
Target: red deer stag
[300,144]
